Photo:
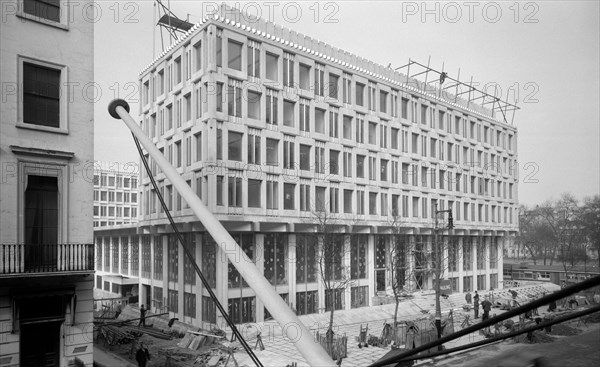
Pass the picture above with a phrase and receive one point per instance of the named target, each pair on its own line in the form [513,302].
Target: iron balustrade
[19,258]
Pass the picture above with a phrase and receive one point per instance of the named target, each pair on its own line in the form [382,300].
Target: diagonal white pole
[291,326]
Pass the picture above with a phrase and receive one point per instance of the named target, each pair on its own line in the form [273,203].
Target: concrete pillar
[371,266]
[461,270]
[259,256]
[222,280]
[346,265]
[474,246]
[291,270]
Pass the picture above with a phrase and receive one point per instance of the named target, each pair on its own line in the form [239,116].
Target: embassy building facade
[270,128]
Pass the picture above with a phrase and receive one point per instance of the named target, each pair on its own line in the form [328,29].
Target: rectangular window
[178,70]
[305,157]
[234,191]
[289,196]
[334,205]
[371,95]
[271,107]
[360,166]
[347,164]
[304,115]
[334,122]
[288,152]
[288,69]
[254,147]
[334,162]
[372,168]
[319,79]
[304,77]
[41,95]
[360,128]
[383,132]
[47,9]
[347,88]
[198,140]
[333,86]
[360,94]
[234,142]
[272,152]
[198,55]
[272,193]
[219,48]
[320,120]
[360,202]
[254,190]
[348,201]
[320,158]
[383,97]
[234,55]
[271,66]
[254,58]
[219,96]
[372,203]
[320,201]
[288,113]
[305,197]
[347,133]
[383,167]
[254,104]
[234,98]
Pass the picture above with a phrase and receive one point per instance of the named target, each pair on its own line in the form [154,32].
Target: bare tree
[399,260]
[590,222]
[535,235]
[333,239]
[563,219]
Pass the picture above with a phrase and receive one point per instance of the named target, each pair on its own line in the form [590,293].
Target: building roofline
[275,33]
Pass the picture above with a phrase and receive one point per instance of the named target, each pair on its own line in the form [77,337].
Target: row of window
[118,181]
[115,197]
[234,191]
[119,212]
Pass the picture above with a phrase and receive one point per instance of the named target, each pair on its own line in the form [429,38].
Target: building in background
[270,128]
[46,154]
[115,193]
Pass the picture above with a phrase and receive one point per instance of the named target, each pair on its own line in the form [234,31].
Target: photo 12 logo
[469,11]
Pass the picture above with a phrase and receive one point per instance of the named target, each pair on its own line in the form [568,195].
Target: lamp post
[438,270]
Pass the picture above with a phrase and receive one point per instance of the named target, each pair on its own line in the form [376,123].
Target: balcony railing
[46,258]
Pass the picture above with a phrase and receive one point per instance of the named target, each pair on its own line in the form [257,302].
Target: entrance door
[40,344]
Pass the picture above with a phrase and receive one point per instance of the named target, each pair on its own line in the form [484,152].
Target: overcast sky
[548,51]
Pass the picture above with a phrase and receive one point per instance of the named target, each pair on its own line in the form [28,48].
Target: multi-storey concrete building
[115,193]
[46,159]
[270,128]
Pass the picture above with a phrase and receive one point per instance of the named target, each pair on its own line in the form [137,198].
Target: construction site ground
[280,352]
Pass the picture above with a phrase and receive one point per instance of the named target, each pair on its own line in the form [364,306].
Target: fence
[43,258]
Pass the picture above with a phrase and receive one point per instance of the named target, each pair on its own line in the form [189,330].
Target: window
[360,166]
[189,304]
[304,77]
[253,104]
[371,91]
[220,189]
[177,154]
[372,168]
[304,115]
[288,152]
[347,88]
[360,94]
[254,193]
[333,122]
[348,164]
[383,97]
[333,86]
[234,55]
[271,107]
[271,66]
[372,203]
[178,70]
[198,55]
[347,133]
[235,146]
[289,196]
[383,132]
[334,205]
[272,152]
[41,95]
[334,162]
[41,215]
[360,202]
[348,201]
[234,190]
[219,97]
[305,157]
[305,197]
[219,50]
[288,69]
[254,147]
[372,133]
[254,58]
[276,256]
[384,204]
[384,169]
[198,139]
[319,79]
[320,158]
[234,98]
[288,113]
[47,9]
[272,193]
[360,128]
[320,120]
[320,202]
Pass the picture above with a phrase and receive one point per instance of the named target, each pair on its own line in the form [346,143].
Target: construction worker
[142,356]
[142,316]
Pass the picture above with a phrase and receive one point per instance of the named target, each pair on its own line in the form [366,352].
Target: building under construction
[272,129]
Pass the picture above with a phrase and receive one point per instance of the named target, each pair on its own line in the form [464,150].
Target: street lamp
[438,269]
